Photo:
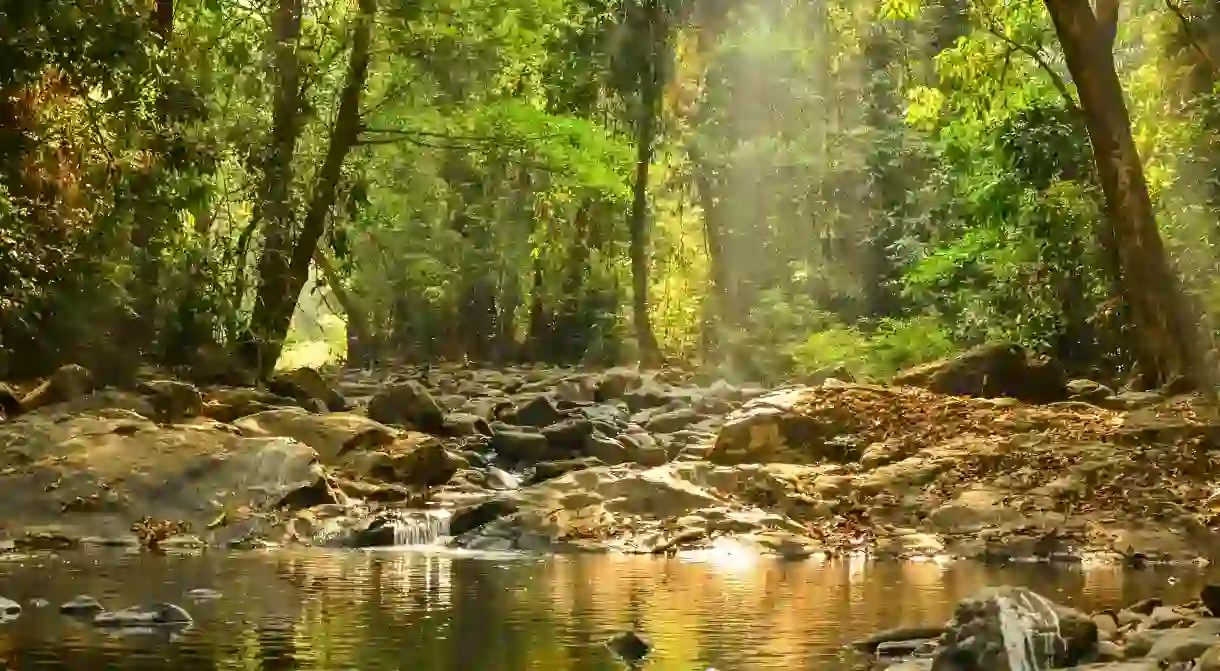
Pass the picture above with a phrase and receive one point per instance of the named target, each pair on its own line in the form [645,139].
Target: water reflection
[439,611]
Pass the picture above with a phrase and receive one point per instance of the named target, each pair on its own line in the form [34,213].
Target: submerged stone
[152,614]
[81,605]
[629,646]
[9,610]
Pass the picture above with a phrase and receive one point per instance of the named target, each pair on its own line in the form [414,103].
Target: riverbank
[546,459]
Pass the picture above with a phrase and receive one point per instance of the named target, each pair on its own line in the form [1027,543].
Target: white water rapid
[421,527]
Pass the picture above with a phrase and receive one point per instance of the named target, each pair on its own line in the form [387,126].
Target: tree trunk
[540,329]
[477,310]
[273,311]
[650,91]
[722,308]
[275,209]
[163,19]
[1166,337]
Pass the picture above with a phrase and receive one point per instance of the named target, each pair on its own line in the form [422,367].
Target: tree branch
[1056,80]
[1190,35]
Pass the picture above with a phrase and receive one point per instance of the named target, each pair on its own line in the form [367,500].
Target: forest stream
[704,336]
[434,610]
[710,525]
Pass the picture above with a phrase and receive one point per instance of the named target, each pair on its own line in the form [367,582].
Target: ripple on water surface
[433,611]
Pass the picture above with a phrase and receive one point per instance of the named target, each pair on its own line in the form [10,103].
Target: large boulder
[101,472]
[1009,628]
[774,428]
[616,382]
[408,404]
[66,384]
[172,400]
[519,444]
[228,404]
[417,459]
[991,371]
[307,386]
[332,434]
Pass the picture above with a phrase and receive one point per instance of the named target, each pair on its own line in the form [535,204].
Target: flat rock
[114,468]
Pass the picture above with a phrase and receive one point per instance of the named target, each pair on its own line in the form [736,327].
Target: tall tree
[282,282]
[275,209]
[1166,337]
[652,25]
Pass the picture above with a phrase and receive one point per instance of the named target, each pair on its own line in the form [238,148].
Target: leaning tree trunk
[273,312]
[1167,339]
[650,94]
[275,211]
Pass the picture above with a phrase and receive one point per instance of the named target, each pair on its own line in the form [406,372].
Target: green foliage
[894,345]
[884,181]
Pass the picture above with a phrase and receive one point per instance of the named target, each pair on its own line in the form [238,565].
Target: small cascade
[1030,628]
[421,527]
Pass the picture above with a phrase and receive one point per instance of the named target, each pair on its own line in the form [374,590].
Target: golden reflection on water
[435,611]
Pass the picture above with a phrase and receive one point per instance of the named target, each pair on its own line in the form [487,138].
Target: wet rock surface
[145,619]
[1009,628]
[550,459]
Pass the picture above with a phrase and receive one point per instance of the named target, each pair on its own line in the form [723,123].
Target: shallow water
[432,611]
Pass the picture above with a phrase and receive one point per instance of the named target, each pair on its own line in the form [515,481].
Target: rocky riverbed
[549,459]
[1009,628]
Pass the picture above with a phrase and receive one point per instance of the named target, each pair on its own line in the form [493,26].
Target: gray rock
[643,449]
[407,404]
[1013,628]
[308,387]
[616,382]
[172,400]
[9,610]
[466,424]
[519,444]
[1088,390]
[1165,617]
[609,451]
[1209,660]
[568,437]
[648,396]
[674,420]
[166,614]
[1130,400]
[547,470]
[899,634]
[537,412]
[1182,645]
[81,605]
[470,518]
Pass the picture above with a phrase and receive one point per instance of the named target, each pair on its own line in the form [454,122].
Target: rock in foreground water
[629,646]
[9,610]
[165,614]
[1015,629]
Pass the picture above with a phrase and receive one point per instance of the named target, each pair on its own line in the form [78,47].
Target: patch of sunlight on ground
[325,345]
[314,353]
